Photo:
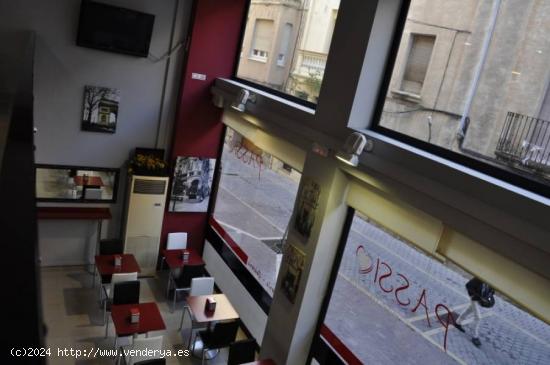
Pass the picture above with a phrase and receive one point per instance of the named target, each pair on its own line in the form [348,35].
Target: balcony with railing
[525,142]
[310,63]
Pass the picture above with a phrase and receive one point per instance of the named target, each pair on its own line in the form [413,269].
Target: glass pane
[394,304]
[286,44]
[254,203]
[473,77]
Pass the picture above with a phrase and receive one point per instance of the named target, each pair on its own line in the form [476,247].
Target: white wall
[251,314]
[61,71]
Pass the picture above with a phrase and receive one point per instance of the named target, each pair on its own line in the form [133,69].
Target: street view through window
[473,76]
[393,304]
[254,203]
[286,44]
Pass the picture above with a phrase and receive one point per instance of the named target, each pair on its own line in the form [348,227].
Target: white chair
[108,291]
[143,346]
[199,286]
[176,241]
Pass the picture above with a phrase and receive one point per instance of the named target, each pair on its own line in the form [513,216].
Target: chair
[142,347]
[126,292]
[111,246]
[199,286]
[241,352]
[221,336]
[108,289]
[183,281]
[175,241]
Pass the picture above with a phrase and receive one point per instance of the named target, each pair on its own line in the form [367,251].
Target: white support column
[291,326]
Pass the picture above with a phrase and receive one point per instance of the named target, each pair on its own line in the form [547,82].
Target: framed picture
[308,202]
[100,111]
[192,184]
[295,261]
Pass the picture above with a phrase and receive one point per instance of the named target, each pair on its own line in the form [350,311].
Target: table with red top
[77,213]
[149,319]
[105,265]
[174,260]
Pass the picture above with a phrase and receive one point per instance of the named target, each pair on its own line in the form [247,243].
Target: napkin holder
[210,305]
[185,256]
[134,315]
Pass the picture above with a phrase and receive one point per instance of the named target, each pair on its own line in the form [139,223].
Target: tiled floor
[75,319]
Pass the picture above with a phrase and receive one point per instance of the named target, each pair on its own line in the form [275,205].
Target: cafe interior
[299,182]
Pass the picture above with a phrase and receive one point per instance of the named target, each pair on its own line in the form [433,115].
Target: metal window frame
[521,180]
[318,346]
[278,93]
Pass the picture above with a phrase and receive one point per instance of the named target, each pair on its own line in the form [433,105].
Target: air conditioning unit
[143,224]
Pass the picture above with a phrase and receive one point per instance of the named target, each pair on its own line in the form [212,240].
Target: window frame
[225,245]
[519,179]
[267,89]
[319,347]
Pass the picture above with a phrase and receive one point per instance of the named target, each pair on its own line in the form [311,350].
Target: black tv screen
[114,29]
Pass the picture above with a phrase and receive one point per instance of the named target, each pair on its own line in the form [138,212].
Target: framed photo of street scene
[100,111]
[308,201]
[192,184]
[292,274]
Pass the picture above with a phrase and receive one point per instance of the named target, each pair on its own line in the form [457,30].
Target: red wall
[198,129]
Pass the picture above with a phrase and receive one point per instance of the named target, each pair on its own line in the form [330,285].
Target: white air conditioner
[144,215]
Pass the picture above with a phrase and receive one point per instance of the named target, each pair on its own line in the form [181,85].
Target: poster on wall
[295,261]
[192,184]
[100,110]
[308,202]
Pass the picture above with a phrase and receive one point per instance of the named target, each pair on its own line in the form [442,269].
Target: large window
[255,198]
[285,45]
[392,303]
[470,81]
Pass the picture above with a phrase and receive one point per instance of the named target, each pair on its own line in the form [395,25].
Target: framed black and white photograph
[308,202]
[192,184]
[292,272]
[100,112]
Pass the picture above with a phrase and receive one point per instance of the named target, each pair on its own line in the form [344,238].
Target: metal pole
[461,133]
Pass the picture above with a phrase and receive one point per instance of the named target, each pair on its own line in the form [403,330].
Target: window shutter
[418,62]
[263,35]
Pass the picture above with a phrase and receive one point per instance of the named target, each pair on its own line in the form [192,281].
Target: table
[224,310]
[149,319]
[73,213]
[105,265]
[174,258]
[261,362]
[79,213]
[175,261]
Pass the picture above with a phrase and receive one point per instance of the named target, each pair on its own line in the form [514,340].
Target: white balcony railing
[310,63]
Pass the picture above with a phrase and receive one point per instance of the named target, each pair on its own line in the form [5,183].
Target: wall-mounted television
[114,29]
